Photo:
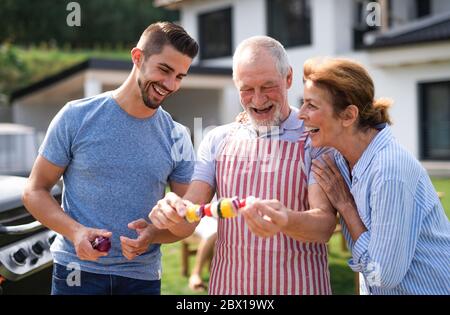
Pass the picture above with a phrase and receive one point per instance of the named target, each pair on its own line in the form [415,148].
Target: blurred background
[49,56]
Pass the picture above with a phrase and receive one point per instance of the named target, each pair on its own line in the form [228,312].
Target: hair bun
[381,107]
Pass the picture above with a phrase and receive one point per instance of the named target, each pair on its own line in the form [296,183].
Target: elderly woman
[394,223]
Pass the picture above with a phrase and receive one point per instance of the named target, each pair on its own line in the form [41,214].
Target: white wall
[440,6]
[203,109]
[5,113]
[401,84]
[18,151]
[187,104]
[37,110]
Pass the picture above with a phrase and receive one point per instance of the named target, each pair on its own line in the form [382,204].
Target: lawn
[342,278]
[443,185]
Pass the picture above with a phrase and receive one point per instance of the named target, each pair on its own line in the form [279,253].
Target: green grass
[29,65]
[443,185]
[173,282]
[342,277]
[43,62]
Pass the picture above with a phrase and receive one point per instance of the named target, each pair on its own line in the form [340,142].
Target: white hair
[256,44]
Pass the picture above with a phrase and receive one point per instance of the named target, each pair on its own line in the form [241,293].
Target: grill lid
[11,189]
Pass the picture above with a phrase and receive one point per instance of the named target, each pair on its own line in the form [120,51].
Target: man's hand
[82,242]
[135,247]
[265,218]
[169,211]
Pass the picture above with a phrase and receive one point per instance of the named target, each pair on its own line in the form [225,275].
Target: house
[408,55]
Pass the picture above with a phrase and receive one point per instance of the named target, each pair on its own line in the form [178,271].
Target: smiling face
[325,127]
[160,75]
[262,89]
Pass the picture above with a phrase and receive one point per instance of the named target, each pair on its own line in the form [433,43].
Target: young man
[266,155]
[113,151]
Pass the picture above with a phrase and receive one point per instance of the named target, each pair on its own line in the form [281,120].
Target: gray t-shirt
[117,168]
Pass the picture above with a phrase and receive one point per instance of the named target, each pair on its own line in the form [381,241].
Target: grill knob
[38,248]
[20,256]
[51,239]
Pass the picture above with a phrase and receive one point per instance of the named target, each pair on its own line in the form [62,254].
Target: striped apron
[245,263]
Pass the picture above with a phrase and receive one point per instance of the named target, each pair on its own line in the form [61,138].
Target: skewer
[224,208]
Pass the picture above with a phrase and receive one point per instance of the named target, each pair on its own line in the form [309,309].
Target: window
[423,8]
[215,34]
[289,21]
[435,120]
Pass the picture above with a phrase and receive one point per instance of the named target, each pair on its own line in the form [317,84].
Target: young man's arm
[41,204]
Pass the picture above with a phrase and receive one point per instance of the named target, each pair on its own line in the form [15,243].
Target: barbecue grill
[25,258]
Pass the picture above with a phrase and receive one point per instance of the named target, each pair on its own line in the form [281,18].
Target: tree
[103,22]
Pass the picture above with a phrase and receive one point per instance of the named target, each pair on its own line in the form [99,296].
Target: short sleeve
[205,166]
[183,156]
[57,144]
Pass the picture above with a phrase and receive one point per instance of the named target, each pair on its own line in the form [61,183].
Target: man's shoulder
[169,125]
[167,118]
[88,103]
[219,132]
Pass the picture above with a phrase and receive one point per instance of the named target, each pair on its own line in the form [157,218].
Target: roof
[429,29]
[104,64]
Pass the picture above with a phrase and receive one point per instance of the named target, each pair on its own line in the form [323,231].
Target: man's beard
[264,126]
[144,94]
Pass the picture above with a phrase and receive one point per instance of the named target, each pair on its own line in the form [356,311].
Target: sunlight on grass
[443,185]
[173,282]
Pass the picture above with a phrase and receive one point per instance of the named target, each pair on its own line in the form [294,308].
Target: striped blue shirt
[406,248]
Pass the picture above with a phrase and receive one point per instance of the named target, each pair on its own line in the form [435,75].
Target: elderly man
[275,246]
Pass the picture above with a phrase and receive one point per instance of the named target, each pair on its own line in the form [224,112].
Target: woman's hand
[330,179]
